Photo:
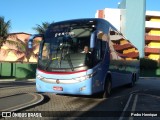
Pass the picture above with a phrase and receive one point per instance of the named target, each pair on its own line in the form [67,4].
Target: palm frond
[21,42]
[40,29]
[34,55]
[24,69]
[11,42]
[7,26]
[29,72]
[5,52]
[4,28]
[21,58]
[16,52]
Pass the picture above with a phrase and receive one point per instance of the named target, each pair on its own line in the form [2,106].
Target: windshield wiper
[65,48]
[48,62]
[60,59]
[70,62]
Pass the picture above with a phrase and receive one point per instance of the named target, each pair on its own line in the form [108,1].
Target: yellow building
[152,38]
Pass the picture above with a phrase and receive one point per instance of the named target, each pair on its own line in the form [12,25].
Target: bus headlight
[82,88]
[39,77]
[64,81]
[82,78]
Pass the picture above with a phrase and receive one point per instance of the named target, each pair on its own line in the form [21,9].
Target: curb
[16,80]
[33,80]
[149,77]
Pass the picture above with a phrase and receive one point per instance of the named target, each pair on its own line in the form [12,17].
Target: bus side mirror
[30,41]
[93,39]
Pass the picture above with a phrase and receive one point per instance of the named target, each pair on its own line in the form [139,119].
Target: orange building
[15,49]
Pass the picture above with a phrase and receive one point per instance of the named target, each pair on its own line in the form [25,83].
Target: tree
[4,30]
[40,29]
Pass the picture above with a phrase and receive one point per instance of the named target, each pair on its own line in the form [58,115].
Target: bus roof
[79,20]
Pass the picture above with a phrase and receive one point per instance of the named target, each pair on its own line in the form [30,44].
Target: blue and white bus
[65,67]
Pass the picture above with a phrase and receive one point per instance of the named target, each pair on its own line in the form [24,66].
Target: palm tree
[4,30]
[40,29]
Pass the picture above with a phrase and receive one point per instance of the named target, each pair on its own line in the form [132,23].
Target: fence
[28,70]
[17,70]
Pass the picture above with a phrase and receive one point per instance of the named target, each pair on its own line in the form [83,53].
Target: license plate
[57,88]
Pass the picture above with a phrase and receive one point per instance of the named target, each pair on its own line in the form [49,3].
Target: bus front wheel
[107,88]
[132,84]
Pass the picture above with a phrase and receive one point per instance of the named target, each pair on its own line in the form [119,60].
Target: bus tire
[107,88]
[132,84]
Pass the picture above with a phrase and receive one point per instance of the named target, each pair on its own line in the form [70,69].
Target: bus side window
[103,40]
[113,54]
[45,51]
[103,49]
[97,51]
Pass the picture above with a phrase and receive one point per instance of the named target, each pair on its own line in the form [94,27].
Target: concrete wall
[112,16]
[133,16]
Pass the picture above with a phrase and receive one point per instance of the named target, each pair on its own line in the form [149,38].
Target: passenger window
[121,48]
[103,40]
[98,49]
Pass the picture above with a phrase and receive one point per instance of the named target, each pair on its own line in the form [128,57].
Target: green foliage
[30,72]
[40,29]
[4,30]
[17,70]
[148,64]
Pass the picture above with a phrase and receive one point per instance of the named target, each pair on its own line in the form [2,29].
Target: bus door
[117,59]
[100,61]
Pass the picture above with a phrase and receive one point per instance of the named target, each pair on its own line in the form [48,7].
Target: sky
[26,14]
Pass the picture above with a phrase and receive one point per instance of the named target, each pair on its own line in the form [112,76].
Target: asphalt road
[11,84]
[19,101]
[137,103]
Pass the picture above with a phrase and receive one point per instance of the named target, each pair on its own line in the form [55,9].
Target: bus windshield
[66,47]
